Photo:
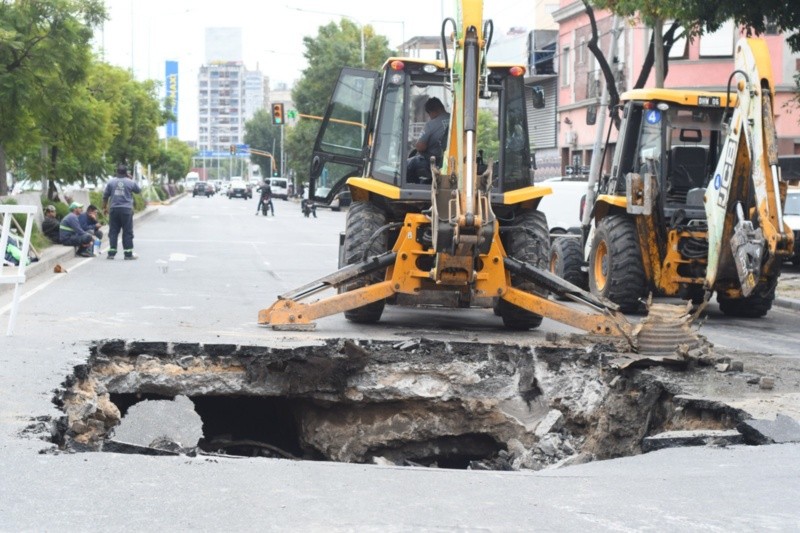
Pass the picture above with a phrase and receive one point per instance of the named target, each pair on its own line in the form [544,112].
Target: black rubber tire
[363,220]
[530,243]
[624,281]
[756,305]
[566,260]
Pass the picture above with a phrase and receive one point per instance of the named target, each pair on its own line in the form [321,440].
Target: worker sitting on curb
[50,224]
[72,234]
[89,223]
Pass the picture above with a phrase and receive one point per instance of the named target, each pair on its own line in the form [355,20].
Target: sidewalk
[787,303]
[62,255]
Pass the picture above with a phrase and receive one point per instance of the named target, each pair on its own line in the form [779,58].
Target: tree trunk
[647,66]
[608,74]
[658,51]
[3,183]
[52,194]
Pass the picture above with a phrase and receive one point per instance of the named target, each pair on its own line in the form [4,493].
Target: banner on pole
[171,83]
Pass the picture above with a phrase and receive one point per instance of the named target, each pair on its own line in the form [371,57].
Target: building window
[566,66]
[719,43]
[582,51]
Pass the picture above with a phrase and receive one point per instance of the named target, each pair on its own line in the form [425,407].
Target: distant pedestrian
[89,221]
[72,234]
[118,204]
[50,224]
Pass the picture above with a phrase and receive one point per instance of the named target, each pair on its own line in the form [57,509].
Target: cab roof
[680,96]
[439,63]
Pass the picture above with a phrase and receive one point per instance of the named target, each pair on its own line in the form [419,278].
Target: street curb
[788,303]
[63,255]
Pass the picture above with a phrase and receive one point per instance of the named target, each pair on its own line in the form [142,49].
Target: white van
[190,180]
[279,187]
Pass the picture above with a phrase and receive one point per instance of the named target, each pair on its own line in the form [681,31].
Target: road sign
[292,113]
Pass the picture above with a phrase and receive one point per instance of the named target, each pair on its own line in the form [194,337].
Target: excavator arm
[743,202]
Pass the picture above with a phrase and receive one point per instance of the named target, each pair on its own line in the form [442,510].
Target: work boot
[84,253]
[131,257]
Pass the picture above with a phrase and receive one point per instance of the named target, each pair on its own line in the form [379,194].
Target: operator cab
[373,121]
[678,144]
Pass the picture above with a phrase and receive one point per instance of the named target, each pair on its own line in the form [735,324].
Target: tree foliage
[699,16]
[335,46]
[174,160]
[65,115]
[44,45]
[261,134]
[488,138]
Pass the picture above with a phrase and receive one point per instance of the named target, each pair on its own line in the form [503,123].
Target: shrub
[96,198]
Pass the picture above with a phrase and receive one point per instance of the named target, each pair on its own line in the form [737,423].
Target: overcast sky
[143,34]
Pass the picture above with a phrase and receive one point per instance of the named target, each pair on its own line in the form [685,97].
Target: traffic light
[277,114]
[274,173]
[233,149]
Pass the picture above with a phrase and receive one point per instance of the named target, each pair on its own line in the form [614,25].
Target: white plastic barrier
[15,273]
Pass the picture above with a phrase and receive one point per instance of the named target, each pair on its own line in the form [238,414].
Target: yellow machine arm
[749,159]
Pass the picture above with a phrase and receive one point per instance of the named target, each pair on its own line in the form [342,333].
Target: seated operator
[430,144]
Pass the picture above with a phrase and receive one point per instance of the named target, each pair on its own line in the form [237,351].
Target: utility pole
[283,157]
[594,165]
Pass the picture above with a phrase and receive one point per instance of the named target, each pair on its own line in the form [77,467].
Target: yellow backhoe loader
[694,201]
[466,232]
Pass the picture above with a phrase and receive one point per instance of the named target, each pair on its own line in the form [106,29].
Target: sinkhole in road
[416,402]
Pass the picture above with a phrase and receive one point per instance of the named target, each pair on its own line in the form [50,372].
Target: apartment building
[229,94]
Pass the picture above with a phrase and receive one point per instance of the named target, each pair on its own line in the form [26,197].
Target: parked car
[201,189]
[239,189]
[563,207]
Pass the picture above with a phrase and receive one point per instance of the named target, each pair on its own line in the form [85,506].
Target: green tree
[174,160]
[488,140]
[261,134]
[74,127]
[335,46]
[41,42]
[141,114]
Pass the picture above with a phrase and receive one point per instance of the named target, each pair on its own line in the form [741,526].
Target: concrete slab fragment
[779,431]
[149,420]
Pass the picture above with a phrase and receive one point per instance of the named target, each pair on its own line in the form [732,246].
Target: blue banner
[171,84]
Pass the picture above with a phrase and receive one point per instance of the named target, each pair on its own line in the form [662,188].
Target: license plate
[708,101]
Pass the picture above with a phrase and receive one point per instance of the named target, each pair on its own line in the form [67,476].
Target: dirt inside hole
[417,402]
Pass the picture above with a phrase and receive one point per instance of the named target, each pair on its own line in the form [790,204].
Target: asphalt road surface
[206,267]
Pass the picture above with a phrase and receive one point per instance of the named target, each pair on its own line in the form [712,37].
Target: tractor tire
[363,220]
[616,271]
[566,260]
[756,305]
[528,242]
